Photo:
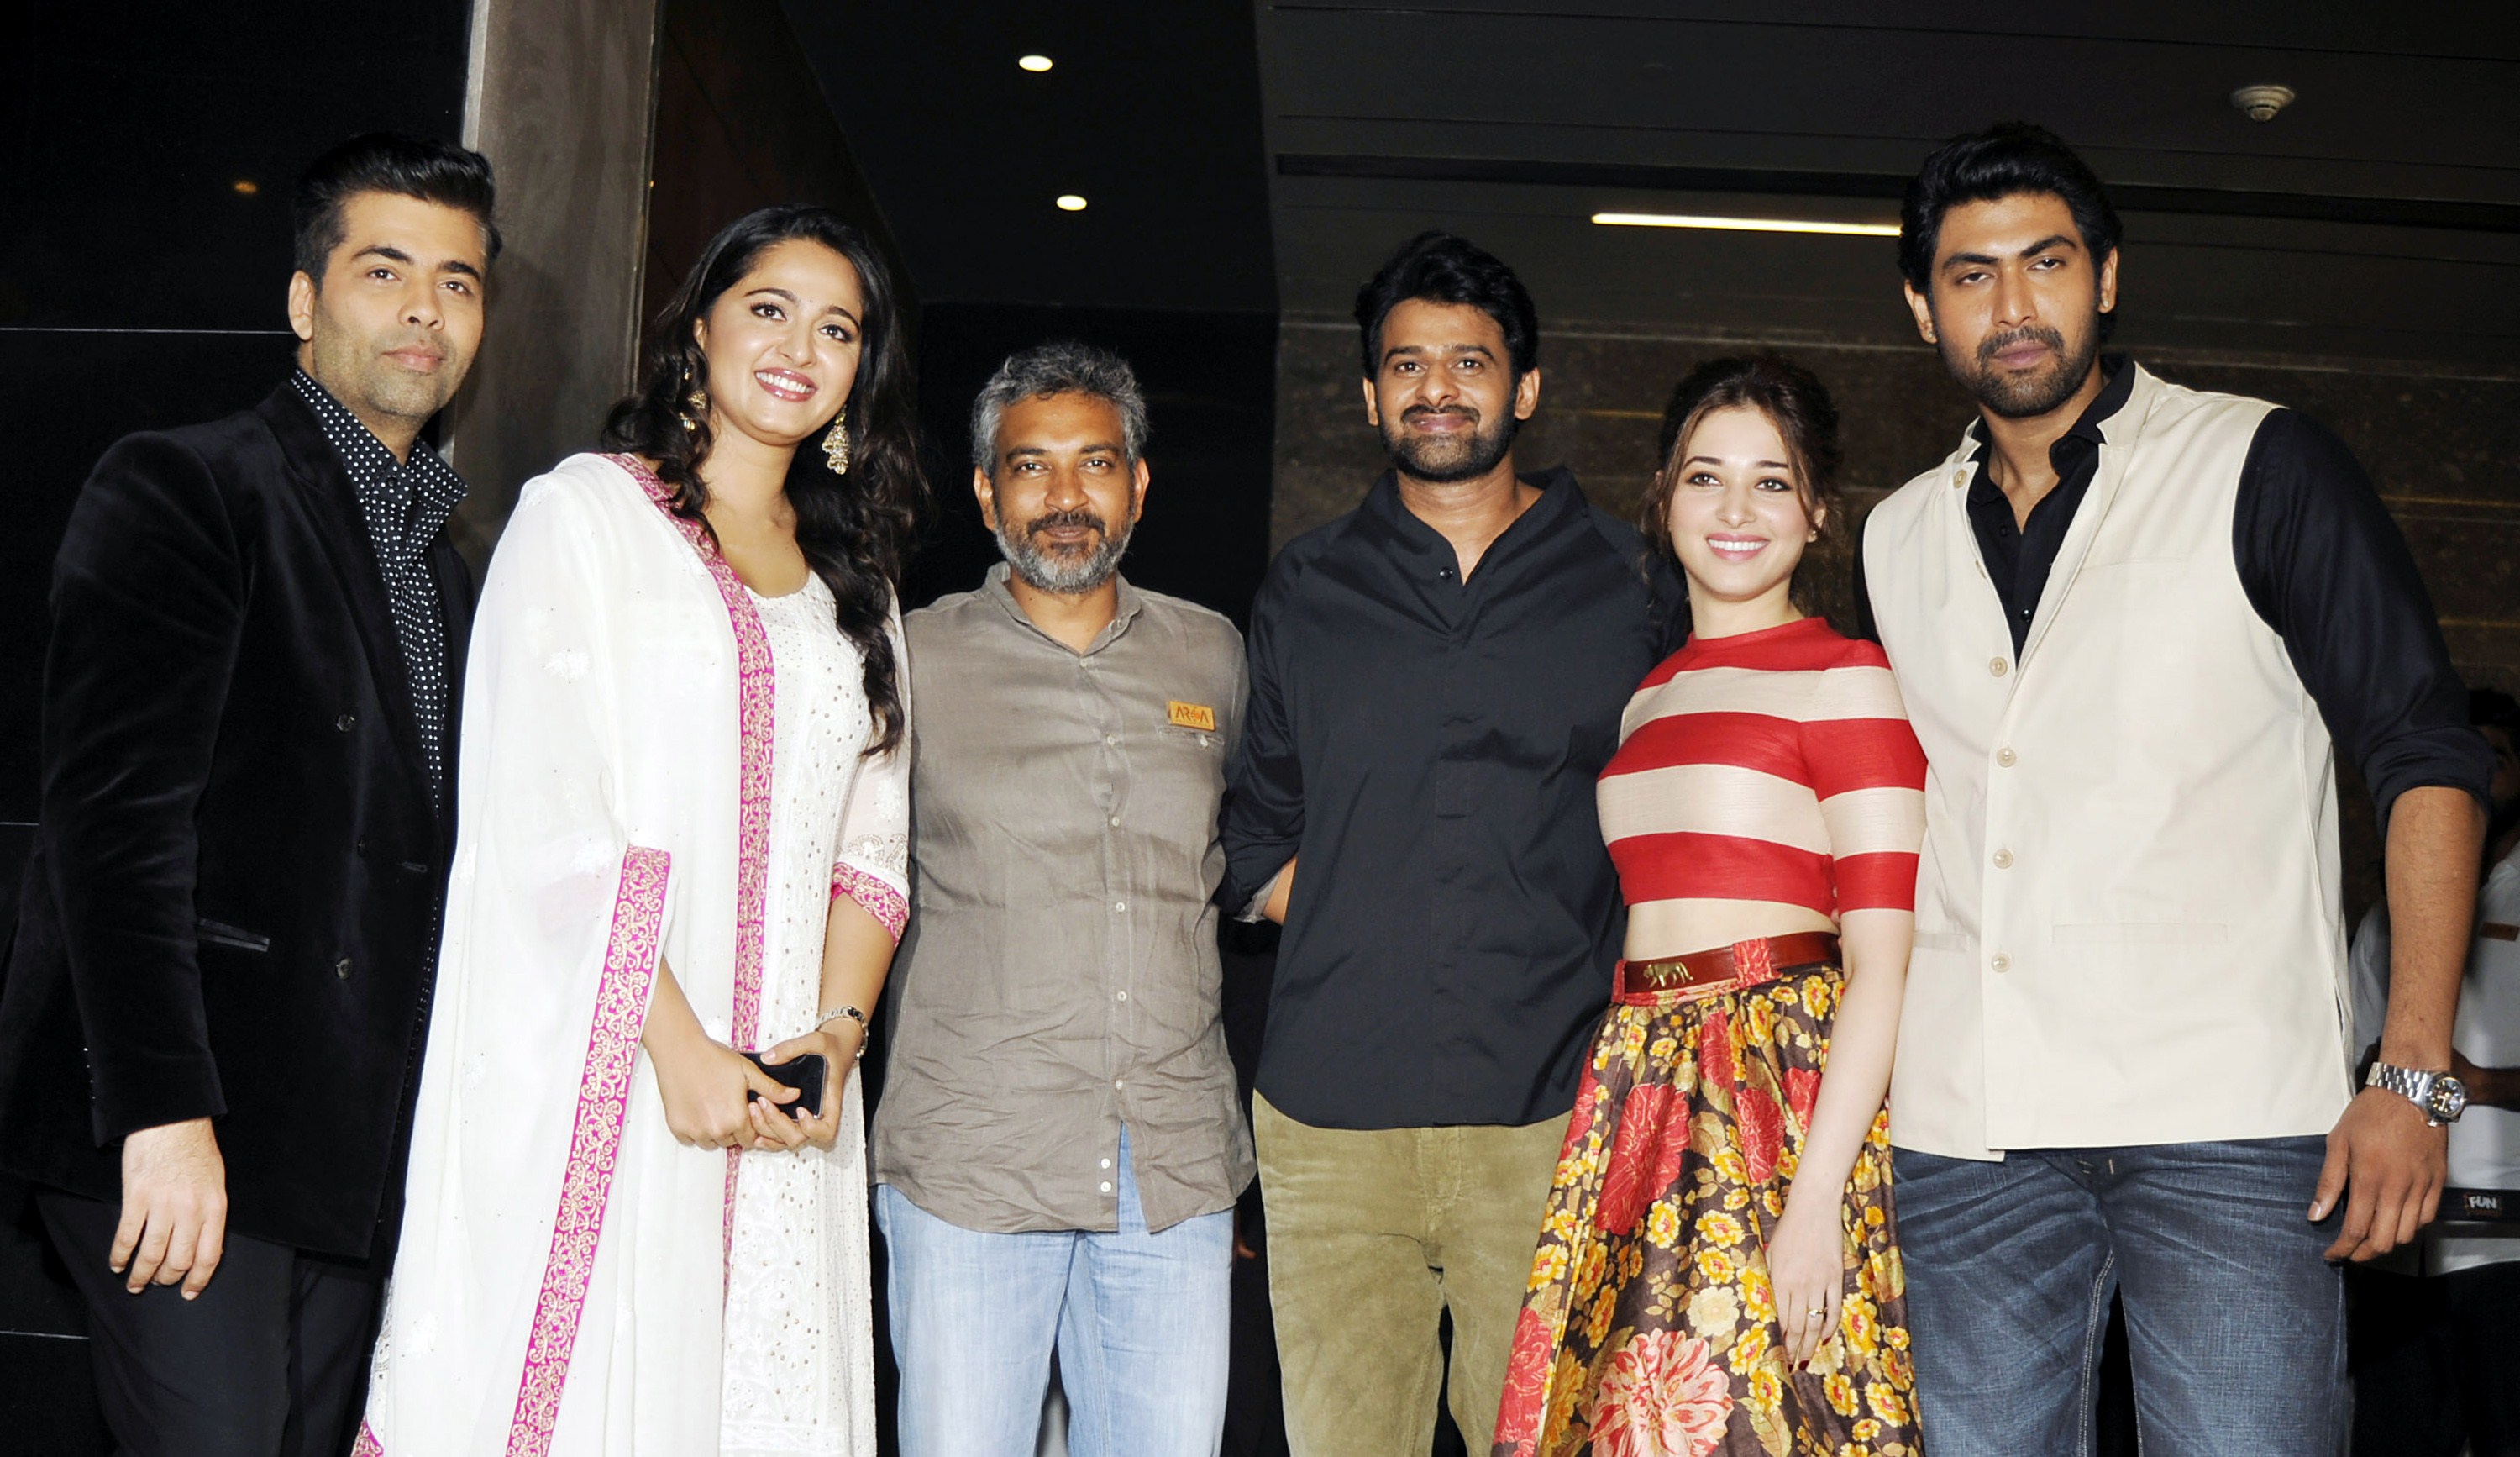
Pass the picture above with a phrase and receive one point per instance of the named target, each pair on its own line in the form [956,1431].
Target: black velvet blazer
[231,906]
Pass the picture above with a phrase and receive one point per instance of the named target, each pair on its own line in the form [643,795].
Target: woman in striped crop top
[1718,1270]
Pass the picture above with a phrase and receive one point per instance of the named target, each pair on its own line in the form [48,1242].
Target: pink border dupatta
[756,695]
[622,999]
[602,1109]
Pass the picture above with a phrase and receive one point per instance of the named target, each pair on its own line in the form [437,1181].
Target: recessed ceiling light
[244,187]
[1033,63]
[1069,201]
[1744,224]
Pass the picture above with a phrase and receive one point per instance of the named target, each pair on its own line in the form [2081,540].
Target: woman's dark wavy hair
[1794,399]
[853,528]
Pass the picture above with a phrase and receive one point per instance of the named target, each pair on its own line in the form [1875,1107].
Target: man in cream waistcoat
[2127,619]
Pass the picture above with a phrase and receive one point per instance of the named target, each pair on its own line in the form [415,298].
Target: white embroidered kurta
[656,764]
[799,1342]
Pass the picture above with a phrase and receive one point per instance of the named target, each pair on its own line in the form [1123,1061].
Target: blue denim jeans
[1142,1323]
[2235,1321]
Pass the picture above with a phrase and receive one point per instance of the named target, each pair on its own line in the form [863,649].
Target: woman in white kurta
[684,825]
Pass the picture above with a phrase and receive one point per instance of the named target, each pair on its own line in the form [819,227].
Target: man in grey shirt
[1059,1146]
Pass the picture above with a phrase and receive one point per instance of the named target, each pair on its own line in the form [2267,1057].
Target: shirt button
[2003,859]
[1106,1186]
[1119,908]
[1116,822]
[346,722]
[1999,962]
[1107,1163]
[1124,996]
[2003,756]
[1999,666]
[1117,1084]
[341,968]
[1112,739]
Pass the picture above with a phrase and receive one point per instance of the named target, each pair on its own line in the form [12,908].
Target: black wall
[146,155]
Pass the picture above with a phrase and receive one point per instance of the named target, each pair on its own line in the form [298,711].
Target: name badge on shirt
[2496,931]
[1189,716]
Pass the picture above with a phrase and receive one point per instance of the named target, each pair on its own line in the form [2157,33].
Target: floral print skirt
[1649,1329]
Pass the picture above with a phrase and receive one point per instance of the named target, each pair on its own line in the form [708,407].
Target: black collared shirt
[1429,748]
[2321,559]
[405,505]
[2019,558]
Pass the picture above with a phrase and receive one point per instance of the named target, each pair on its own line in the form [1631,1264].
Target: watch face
[2449,1098]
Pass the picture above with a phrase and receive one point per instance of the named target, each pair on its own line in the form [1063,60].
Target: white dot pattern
[405,505]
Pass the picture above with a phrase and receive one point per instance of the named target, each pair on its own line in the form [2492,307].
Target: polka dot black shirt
[405,504]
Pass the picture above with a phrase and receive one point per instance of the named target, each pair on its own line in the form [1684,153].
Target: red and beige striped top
[1765,784]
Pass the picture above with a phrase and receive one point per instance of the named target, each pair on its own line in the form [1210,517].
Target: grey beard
[1063,577]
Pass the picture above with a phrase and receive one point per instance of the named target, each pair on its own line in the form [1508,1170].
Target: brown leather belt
[1741,964]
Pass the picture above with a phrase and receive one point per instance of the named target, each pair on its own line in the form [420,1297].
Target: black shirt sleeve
[2325,565]
[1264,803]
[1865,626]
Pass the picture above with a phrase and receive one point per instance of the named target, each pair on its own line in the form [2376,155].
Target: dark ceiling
[1241,158]
[1151,113]
[2378,217]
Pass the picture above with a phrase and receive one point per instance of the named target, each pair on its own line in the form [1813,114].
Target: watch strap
[2417,1086]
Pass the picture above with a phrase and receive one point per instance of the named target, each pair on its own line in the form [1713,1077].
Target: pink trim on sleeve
[603,1108]
[872,895]
[367,1445]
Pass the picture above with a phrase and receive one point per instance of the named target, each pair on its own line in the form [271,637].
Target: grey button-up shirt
[1060,974]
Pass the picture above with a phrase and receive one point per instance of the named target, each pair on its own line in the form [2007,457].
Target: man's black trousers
[270,1361]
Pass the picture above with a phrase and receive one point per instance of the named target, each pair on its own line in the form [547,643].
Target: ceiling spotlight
[1033,63]
[244,187]
[1069,201]
[2261,103]
[1744,224]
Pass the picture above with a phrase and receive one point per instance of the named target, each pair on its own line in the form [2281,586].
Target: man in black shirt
[1436,681]
[2128,619]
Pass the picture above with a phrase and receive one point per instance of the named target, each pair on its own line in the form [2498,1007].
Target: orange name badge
[1189,716]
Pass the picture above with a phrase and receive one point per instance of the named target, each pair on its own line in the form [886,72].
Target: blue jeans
[2235,1321]
[1142,1323]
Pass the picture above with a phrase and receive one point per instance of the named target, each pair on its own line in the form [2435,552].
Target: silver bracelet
[851,1012]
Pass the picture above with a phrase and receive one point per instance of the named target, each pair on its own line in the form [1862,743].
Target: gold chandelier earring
[836,445]
[694,400]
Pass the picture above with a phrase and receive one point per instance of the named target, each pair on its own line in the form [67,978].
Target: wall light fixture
[1744,224]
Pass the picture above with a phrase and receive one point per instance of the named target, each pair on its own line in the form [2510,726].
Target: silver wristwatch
[2442,1097]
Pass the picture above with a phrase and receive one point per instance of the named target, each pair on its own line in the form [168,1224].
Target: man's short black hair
[2491,708]
[387,161]
[1445,269]
[2004,161]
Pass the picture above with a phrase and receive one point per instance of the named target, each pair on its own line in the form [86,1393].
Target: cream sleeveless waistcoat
[2128,926]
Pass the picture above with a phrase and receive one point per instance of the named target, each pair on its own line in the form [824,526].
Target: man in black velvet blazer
[216,995]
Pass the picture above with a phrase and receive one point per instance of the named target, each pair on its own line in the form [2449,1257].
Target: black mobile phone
[805,1074]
